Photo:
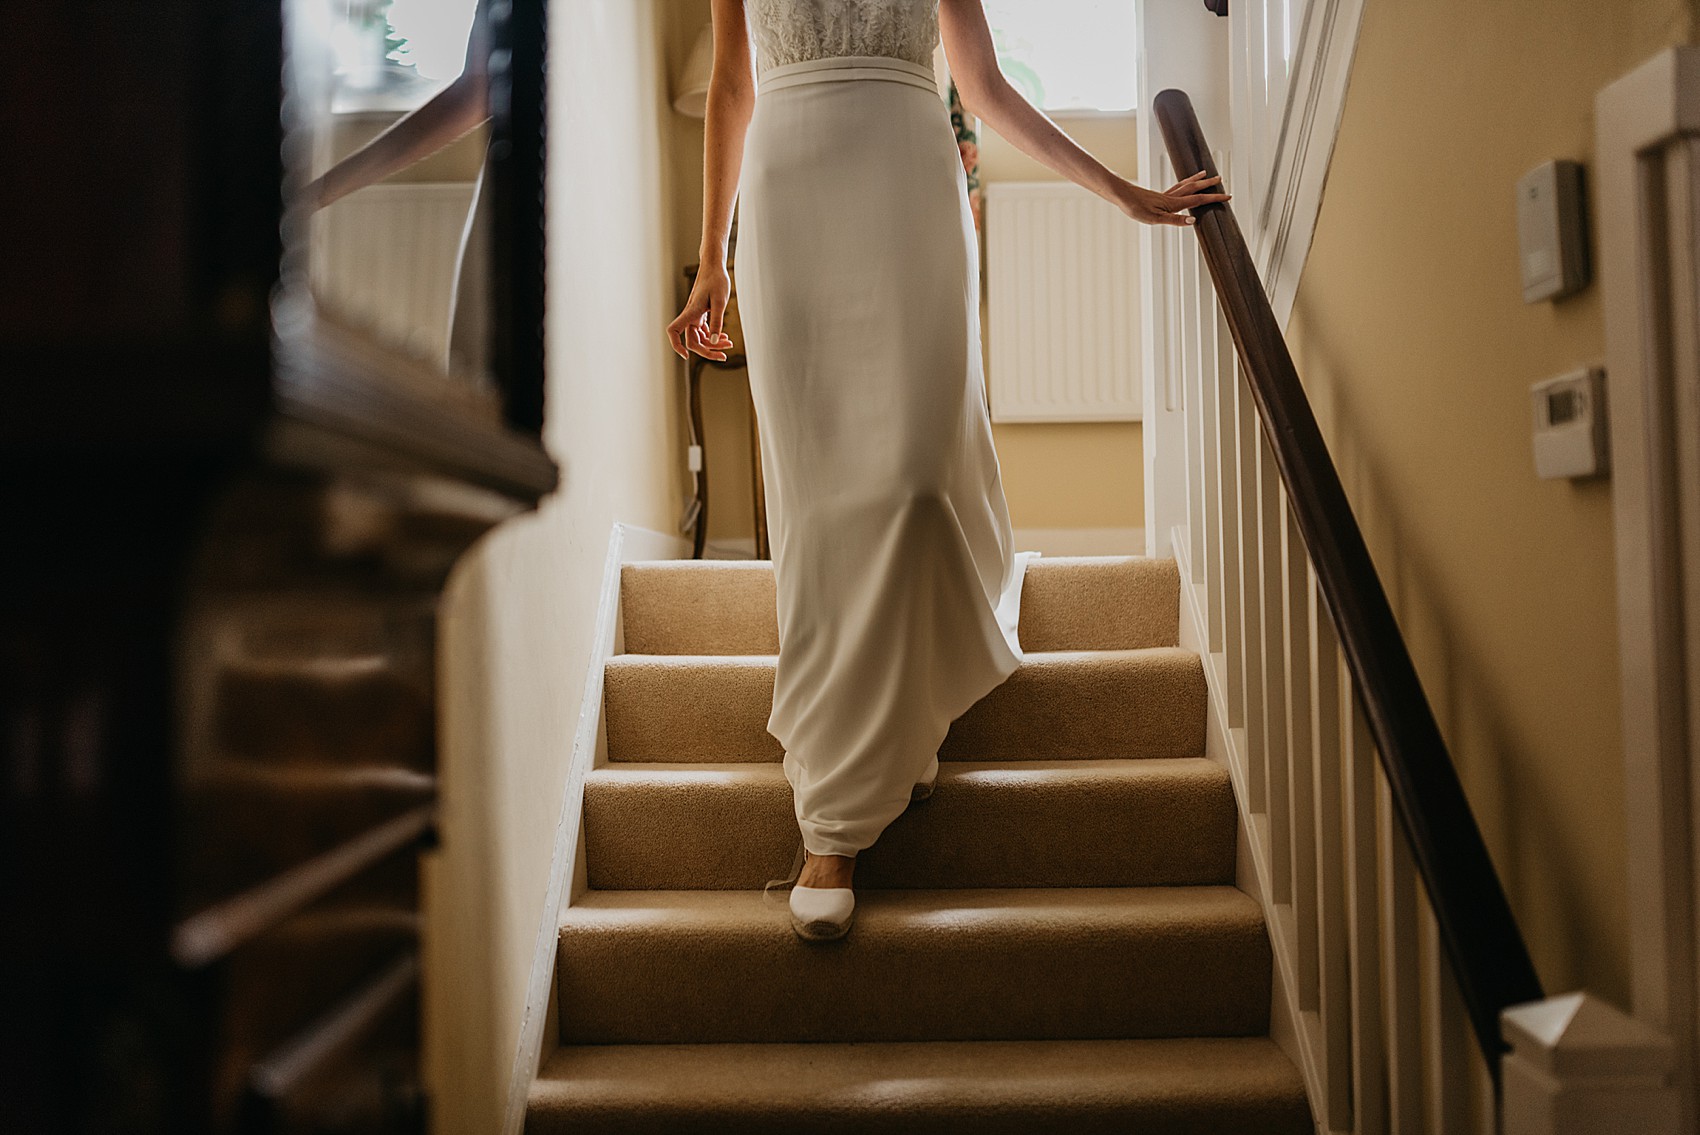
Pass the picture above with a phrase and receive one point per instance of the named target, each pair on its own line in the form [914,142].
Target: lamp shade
[692,91]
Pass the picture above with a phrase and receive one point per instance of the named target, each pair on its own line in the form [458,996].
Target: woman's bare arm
[974,66]
[731,101]
[453,112]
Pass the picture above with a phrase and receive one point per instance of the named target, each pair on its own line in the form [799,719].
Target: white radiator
[386,257]
[1062,295]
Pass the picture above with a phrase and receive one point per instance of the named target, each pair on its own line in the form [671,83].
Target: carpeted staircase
[1052,942]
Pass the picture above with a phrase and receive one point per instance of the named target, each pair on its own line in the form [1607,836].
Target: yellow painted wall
[518,616]
[1411,335]
[1088,475]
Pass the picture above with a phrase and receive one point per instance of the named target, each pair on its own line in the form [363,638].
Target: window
[396,54]
[1068,54]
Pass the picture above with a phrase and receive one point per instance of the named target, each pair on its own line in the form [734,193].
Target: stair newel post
[1579,1066]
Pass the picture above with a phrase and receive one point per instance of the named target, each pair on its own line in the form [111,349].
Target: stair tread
[996,964]
[1086,602]
[1146,702]
[1031,657]
[1109,822]
[1159,1087]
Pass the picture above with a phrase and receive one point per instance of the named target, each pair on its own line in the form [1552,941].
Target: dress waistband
[838,67]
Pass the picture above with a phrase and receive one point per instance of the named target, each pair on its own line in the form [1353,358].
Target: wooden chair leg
[757,487]
[700,536]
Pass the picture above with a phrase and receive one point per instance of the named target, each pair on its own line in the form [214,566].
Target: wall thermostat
[1552,231]
[1570,425]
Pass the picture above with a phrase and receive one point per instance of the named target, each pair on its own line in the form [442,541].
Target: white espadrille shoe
[924,787]
[821,914]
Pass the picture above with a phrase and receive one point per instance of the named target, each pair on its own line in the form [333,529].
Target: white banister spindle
[1401,971]
[1301,784]
[1335,1000]
[1230,509]
[1448,1045]
[1271,548]
[1165,248]
[1197,462]
[1210,422]
[1252,660]
[1248,105]
[1363,915]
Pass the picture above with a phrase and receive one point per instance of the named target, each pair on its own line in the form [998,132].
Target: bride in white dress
[858,284]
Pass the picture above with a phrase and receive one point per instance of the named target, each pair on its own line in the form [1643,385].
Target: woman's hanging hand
[698,327]
[1154,208]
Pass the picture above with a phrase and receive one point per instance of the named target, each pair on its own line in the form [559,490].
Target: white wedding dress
[857,272]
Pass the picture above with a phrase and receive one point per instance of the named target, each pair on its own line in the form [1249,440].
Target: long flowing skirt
[899,588]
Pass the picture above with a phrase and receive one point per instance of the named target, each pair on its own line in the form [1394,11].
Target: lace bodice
[790,31]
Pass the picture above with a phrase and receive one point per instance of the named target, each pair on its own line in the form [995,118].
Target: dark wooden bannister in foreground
[1487,953]
[230,515]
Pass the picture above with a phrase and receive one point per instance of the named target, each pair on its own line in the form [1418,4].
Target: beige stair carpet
[1052,942]
[1108,823]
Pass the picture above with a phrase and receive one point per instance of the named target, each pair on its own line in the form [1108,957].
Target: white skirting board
[626,544]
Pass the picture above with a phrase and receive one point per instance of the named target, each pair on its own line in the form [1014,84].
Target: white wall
[517,619]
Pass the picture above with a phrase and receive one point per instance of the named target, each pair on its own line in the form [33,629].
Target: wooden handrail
[1480,934]
[450,115]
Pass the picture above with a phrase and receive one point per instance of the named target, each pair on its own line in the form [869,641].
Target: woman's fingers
[690,332]
[1170,208]
[702,345]
[1193,184]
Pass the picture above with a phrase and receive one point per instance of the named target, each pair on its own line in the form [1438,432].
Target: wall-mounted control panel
[1552,234]
[1570,425]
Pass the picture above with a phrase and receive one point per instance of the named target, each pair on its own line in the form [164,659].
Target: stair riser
[966,975]
[692,607]
[1064,707]
[1172,826]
